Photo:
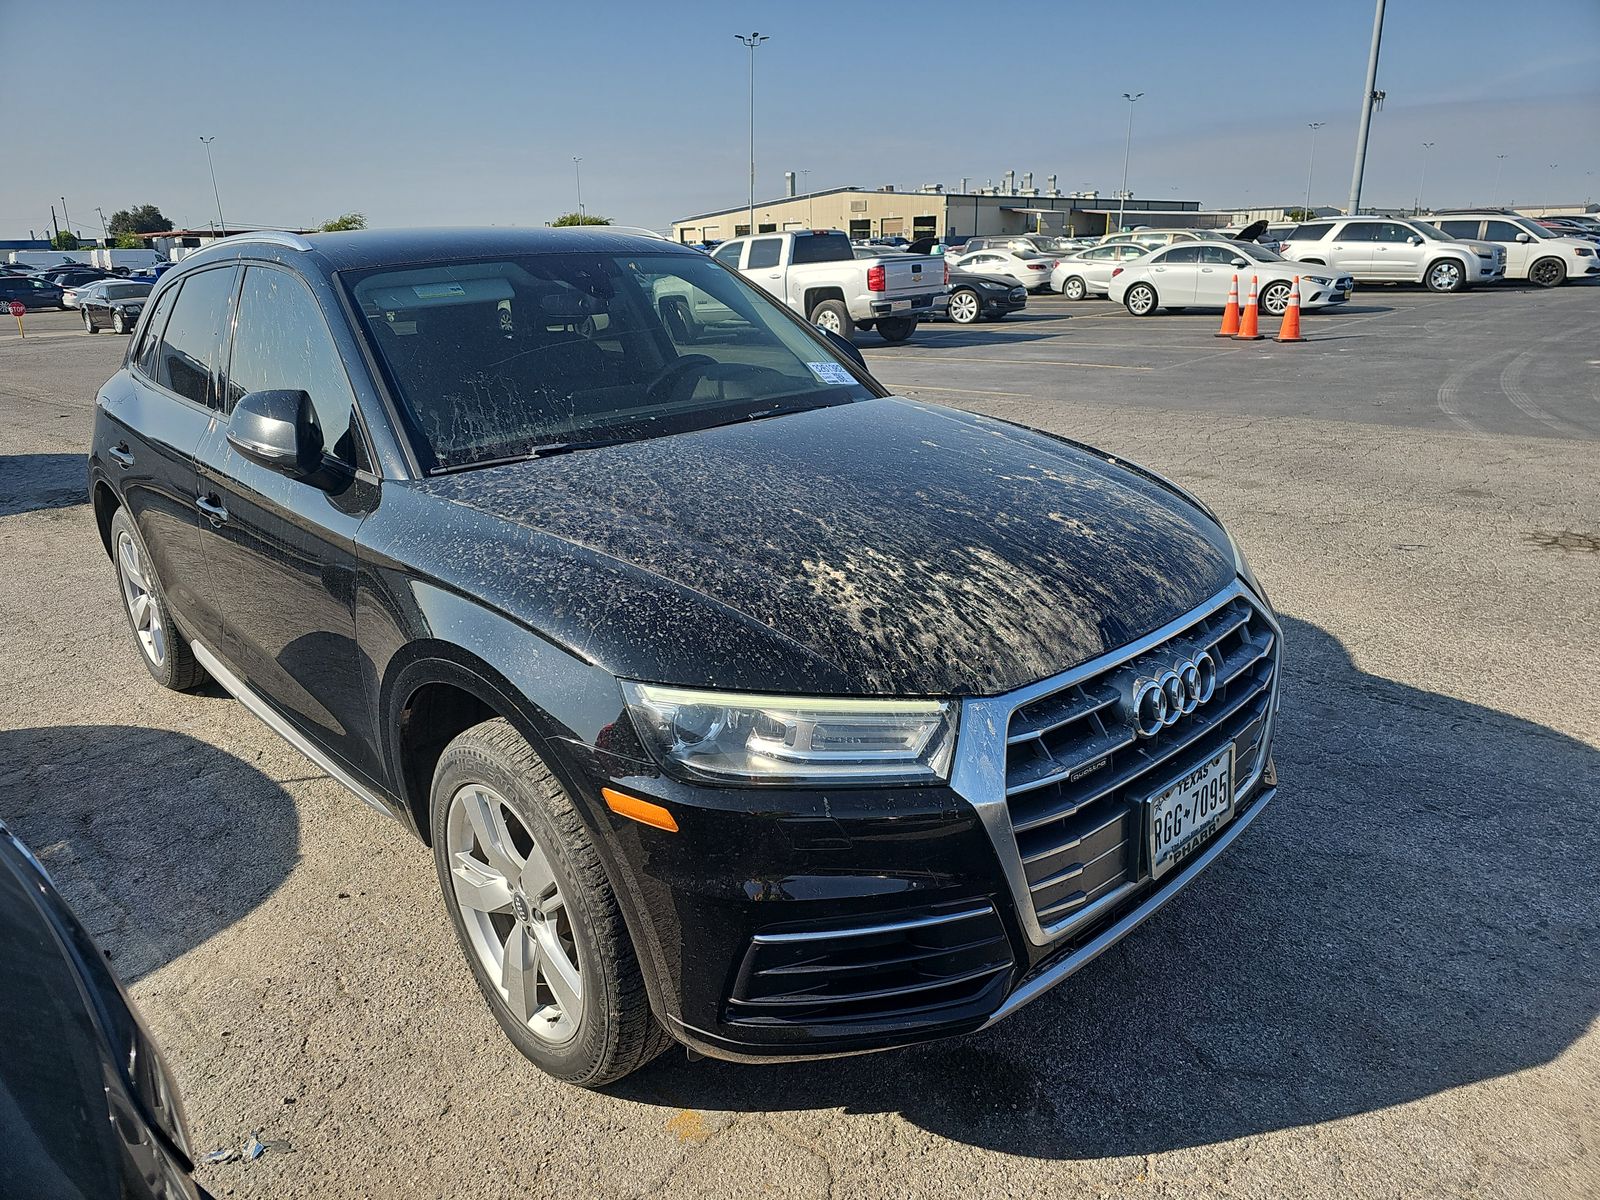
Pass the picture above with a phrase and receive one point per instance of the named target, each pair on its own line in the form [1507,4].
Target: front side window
[496,360]
[1501,231]
[192,347]
[1219,255]
[281,341]
[1183,254]
[729,255]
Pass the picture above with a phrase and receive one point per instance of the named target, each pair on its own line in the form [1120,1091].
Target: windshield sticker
[831,372]
[438,291]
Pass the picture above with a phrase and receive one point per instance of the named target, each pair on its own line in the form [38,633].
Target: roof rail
[277,237]
[636,230]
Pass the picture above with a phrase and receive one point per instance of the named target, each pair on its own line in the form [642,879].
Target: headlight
[1582,253]
[1319,280]
[732,737]
[1242,567]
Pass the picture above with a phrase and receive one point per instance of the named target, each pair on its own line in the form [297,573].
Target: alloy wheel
[1445,277]
[1074,289]
[515,916]
[1141,300]
[1546,272]
[1275,299]
[964,308]
[141,602]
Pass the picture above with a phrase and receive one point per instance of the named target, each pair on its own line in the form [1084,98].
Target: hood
[878,548]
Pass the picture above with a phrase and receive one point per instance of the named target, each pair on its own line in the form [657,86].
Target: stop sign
[18,308]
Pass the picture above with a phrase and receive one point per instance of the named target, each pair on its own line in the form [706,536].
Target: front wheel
[1275,298]
[896,329]
[535,913]
[965,307]
[1140,300]
[1074,288]
[119,322]
[1446,275]
[1548,272]
[833,316]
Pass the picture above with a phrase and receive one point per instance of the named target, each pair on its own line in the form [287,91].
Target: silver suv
[1532,251]
[1390,250]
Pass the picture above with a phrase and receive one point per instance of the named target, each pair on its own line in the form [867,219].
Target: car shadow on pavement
[1416,912]
[29,482]
[157,840]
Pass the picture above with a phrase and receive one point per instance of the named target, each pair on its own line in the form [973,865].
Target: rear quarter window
[1308,233]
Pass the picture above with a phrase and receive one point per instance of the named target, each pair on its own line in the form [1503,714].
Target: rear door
[1176,275]
[281,549]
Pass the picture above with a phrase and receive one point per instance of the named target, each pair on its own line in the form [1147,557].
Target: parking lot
[1389,988]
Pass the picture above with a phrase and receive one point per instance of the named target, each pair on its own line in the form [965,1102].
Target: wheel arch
[105,503]
[815,296]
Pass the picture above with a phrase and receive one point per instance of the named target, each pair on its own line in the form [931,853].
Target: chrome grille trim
[979,774]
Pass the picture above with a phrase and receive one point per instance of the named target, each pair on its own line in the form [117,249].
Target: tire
[1548,272]
[1074,288]
[965,306]
[490,784]
[88,323]
[680,325]
[1274,298]
[1445,275]
[896,329]
[162,648]
[1140,300]
[119,323]
[833,316]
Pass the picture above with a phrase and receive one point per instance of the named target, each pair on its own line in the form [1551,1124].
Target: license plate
[899,305]
[1187,812]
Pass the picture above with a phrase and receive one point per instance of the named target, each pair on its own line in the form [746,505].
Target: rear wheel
[1140,300]
[88,323]
[965,307]
[119,322]
[1074,288]
[164,650]
[1274,299]
[1548,272]
[896,329]
[833,316]
[535,913]
[1445,275]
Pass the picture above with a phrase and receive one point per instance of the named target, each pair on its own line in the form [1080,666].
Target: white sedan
[1088,273]
[1032,271]
[1199,276]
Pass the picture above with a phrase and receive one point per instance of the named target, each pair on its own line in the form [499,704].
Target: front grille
[1077,774]
[922,968]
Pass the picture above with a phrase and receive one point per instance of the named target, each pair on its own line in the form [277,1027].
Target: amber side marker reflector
[639,810]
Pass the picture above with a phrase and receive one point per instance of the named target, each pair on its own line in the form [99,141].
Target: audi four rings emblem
[1159,703]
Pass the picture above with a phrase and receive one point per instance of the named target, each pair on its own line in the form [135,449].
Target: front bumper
[784,924]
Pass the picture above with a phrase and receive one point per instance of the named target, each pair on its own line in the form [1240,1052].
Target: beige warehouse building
[932,211]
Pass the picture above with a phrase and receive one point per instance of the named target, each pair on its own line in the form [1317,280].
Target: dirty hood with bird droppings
[877,548]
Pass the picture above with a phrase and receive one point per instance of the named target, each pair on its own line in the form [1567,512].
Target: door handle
[216,512]
[120,455]
[776,275]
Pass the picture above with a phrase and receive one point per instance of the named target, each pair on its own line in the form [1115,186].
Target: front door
[1217,274]
[1398,252]
[1175,274]
[282,549]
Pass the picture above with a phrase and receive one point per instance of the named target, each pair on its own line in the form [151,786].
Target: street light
[1422,178]
[104,232]
[1312,165]
[221,224]
[1499,167]
[752,41]
[1127,147]
[577,171]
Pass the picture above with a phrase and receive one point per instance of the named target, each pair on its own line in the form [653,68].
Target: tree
[350,220]
[566,219]
[64,241]
[1298,214]
[129,241]
[142,218]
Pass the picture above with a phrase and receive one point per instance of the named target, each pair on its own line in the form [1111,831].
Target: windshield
[127,291]
[495,360]
[1428,231]
[1538,231]
[1258,252]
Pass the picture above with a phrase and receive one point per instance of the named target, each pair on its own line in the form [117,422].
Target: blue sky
[471,113]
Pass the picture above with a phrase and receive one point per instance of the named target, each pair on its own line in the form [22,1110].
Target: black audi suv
[741,702]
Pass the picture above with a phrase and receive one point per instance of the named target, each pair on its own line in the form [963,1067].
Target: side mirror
[1524,237]
[1239,262]
[844,346]
[1412,240]
[276,429]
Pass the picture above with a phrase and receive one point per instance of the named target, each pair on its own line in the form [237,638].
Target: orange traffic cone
[1247,324]
[1289,331]
[1230,315]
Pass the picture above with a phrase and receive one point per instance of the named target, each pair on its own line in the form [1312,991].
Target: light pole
[577,172]
[752,41]
[105,234]
[1499,167]
[1127,148]
[221,224]
[1421,179]
[1372,96]
[1312,164]
[65,220]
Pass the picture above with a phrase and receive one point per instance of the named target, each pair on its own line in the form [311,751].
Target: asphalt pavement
[1388,988]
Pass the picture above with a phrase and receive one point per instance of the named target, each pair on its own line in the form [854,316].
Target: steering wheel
[676,368]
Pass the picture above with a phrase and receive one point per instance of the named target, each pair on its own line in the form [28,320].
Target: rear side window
[1308,233]
[281,340]
[821,247]
[195,340]
[764,252]
[1360,231]
[144,358]
[1501,231]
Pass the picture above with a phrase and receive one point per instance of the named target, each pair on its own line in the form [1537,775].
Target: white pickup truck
[815,272]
